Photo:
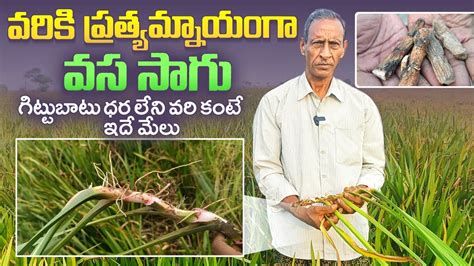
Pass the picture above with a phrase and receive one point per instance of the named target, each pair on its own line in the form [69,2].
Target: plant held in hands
[441,250]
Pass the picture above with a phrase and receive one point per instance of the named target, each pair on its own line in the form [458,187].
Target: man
[314,136]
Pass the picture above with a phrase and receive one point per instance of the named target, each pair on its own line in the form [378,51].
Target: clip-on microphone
[318,119]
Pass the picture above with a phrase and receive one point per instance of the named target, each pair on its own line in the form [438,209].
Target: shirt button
[323,152]
[324,176]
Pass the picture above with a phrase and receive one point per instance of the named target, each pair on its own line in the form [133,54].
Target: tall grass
[429,173]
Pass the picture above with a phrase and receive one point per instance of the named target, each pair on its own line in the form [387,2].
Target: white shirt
[293,156]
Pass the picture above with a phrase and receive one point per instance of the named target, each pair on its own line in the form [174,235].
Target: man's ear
[344,46]
[302,46]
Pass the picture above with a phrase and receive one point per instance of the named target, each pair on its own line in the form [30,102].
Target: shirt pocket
[349,140]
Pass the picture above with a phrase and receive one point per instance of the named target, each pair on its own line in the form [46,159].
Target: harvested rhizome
[420,43]
[444,254]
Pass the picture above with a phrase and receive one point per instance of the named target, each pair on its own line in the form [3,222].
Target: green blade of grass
[98,208]
[441,250]
[76,201]
[314,261]
[364,252]
[330,240]
[356,233]
[255,258]
[62,225]
[7,253]
[144,210]
[383,229]
[190,229]
[46,240]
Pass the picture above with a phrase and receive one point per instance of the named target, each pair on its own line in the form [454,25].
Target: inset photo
[414,49]
[91,197]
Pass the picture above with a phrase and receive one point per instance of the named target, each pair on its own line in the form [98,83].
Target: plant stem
[355,233]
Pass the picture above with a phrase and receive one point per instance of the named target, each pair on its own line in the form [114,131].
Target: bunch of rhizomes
[419,43]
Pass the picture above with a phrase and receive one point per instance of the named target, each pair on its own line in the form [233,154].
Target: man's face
[324,49]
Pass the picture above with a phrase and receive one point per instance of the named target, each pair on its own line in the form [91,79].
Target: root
[330,198]
[157,172]
[163,190]
[120,199]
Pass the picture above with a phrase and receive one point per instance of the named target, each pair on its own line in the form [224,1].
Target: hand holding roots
[450,41]
[347,194]
[315,215]
[325,216]
[420,43]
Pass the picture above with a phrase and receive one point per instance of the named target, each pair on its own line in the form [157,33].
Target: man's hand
[377,36]
[220,247]
[358,201]
[311,215]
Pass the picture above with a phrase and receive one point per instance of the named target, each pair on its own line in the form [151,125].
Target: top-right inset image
[415,49]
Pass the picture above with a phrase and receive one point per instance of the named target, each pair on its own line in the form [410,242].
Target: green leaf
[383,229]
[364,252]
[441,250]
[74,202]
[7,253]
[98,208]
[190,229]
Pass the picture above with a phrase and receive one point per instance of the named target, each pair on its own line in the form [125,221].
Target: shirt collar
[304,89]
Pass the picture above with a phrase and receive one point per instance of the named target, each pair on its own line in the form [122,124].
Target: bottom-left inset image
[89,197]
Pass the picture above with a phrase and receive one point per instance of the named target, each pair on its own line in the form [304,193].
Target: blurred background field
[429,172]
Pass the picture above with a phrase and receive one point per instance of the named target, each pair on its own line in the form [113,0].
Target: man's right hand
[312,215]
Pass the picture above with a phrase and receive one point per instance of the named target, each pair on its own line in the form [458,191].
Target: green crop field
[429,142]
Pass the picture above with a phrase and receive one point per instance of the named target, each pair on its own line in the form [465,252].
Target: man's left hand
[358,201]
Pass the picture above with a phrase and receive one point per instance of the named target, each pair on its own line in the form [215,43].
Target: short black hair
[319,14]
